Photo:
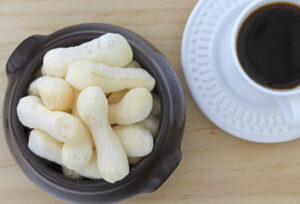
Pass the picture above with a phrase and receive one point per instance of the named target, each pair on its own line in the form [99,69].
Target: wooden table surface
[216,167]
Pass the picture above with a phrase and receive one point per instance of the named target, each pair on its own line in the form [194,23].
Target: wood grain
[216,167]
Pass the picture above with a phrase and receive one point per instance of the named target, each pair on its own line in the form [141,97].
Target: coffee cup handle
[290,108]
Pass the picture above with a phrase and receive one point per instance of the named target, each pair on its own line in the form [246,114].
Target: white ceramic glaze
[217,85]
[288,100]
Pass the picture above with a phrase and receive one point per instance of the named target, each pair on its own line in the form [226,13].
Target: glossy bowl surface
[145,177]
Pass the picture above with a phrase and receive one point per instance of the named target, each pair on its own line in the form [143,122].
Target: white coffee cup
[288,100]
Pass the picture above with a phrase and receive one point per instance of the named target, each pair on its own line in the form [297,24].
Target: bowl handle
[21,53]
[167,165]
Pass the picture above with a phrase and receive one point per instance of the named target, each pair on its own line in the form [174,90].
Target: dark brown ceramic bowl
[149,173]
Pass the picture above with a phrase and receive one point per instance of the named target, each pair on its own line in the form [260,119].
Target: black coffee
[269,46]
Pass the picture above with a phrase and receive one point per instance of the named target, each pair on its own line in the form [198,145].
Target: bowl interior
[52,171]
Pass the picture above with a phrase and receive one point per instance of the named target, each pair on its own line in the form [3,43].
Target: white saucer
[215,84]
